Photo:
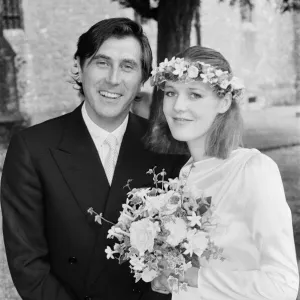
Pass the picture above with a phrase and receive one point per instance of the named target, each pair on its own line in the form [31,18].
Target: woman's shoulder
[255,162]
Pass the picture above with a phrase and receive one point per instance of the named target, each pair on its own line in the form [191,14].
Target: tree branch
[142,7]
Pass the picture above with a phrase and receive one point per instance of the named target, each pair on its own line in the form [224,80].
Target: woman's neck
[197,149]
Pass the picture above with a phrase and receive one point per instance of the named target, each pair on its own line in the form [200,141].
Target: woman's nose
[180,103]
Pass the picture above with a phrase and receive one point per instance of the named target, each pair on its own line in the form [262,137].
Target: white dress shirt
[99,135]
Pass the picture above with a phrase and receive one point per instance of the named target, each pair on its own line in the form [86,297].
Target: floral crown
[178,69]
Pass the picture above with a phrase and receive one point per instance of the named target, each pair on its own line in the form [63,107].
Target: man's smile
[110,95]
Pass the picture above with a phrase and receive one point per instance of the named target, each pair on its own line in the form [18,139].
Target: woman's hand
[160,285]
[191,277]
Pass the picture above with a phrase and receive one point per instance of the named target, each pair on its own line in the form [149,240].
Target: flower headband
[177,69]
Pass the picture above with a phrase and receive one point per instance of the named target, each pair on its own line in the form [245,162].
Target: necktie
[110,161]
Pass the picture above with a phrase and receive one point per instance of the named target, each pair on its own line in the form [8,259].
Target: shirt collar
[99,133]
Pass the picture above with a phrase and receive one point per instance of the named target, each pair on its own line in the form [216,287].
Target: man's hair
[223,136]
[90,42]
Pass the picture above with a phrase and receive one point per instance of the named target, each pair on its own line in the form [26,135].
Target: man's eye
[127,67]
[102,63]
[169,94]
[196,96]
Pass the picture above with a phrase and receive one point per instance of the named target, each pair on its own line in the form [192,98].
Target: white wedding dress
[254,230]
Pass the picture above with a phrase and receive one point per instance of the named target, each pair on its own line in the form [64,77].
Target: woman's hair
[90,42]
[225,133]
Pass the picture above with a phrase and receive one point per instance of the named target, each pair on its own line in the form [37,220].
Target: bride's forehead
[197,84]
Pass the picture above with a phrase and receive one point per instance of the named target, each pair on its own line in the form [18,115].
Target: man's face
[111,80]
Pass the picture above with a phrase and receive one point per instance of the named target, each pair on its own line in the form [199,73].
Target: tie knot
[111,141]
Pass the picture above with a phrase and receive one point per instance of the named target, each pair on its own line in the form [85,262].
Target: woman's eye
[169,94]
[195,96]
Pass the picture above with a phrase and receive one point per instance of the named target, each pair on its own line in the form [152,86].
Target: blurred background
[260,38]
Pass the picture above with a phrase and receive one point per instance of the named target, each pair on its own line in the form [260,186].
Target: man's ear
[225,103]
[78,67]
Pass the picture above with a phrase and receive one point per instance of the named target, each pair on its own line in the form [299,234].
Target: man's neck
[108,124]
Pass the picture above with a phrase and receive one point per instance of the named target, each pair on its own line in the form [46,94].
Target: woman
[200,114]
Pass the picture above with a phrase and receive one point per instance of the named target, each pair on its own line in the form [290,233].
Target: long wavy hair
[225,133]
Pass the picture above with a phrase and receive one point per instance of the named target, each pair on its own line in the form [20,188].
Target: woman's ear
[225,103]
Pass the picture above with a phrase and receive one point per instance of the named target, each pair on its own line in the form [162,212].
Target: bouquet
[163,227]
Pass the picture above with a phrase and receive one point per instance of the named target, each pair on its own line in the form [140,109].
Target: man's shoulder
[47,132]
[144,123]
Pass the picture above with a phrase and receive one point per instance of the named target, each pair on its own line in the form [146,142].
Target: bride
[200,115]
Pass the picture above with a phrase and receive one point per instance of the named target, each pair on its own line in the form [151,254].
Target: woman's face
[190,109]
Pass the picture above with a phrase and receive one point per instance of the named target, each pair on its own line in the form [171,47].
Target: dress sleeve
[268,218]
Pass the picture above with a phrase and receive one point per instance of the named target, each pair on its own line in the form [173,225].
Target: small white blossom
[148,275]
[193,72]
[109,253]
[194,219]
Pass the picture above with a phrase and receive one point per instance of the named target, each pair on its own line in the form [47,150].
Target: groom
[56,170]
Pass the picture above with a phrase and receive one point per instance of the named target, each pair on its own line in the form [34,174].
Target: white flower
[194,219]
[219,72]
[179,67]
[117,247]
[112,233]
[189,249]
[174,183]
[236,83]
[193,72]
[154,71]
[178,231]
[148,275]
[204,78]
[199,242]
[125,218]
[155,202]
[137,264]
[171,62]
[224,84]
[142,234]
[109,253]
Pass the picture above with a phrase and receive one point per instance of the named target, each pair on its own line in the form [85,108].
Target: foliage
[145,8]
[149,8]
[289,5]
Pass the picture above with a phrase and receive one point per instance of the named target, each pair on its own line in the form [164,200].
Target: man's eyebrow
[101,56]
[130,61]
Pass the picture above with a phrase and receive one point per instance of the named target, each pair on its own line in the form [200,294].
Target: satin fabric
[254,229]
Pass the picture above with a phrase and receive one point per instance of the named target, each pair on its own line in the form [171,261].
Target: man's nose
[113,76]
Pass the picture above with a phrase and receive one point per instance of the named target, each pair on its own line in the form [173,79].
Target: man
[56,170]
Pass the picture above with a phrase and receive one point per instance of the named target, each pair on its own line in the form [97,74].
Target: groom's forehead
[127,49]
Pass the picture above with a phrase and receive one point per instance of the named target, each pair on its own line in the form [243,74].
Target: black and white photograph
[149,149]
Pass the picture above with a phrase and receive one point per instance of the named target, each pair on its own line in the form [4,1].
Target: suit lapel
[80,165]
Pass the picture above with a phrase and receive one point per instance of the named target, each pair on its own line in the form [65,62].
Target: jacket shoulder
[46,133]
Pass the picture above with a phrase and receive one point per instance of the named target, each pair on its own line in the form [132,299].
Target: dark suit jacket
[51,176]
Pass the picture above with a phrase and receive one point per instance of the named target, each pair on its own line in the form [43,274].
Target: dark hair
[90,42]
[225,133]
